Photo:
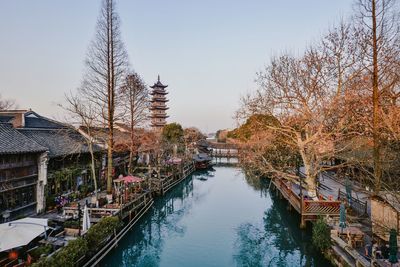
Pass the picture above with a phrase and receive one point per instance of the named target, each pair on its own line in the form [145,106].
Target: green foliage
[173,133]
[100,231]
[37,252]
[321,235]
[72,252]
[253,124]
[67,256]
[76,249]
[50,200]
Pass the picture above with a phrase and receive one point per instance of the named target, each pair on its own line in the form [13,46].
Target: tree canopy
[172,133]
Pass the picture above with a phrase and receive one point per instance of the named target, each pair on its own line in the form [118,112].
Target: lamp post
[79,218]
[302,223]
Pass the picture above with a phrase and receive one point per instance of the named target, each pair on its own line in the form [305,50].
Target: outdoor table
[354,234]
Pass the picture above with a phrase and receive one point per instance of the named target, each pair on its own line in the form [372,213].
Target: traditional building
[158,105]
[23,174]
[68,167]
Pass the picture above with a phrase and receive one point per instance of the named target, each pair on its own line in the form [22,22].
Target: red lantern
[13,255]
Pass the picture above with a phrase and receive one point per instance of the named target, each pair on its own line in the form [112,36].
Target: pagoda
[158,105]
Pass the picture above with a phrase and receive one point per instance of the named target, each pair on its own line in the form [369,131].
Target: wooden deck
[160,186]
[309,210]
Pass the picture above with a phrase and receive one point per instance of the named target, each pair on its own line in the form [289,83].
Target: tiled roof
[34,120]
[13,142]
[60,142]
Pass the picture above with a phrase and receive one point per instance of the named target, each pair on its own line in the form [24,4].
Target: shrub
[100,231]
[70,254]
[321,235]
[67,256]
[50,201]
[37,252]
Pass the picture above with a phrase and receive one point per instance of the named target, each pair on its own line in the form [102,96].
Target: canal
[217,218]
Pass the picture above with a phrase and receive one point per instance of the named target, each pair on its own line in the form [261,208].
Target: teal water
[217,218]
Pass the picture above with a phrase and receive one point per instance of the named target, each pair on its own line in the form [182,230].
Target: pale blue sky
[207,51]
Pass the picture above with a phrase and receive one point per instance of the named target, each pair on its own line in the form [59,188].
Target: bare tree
[343,54]
[106,64]
[135,96]
[6,104]
[378,22]
[84,115]
[304,96]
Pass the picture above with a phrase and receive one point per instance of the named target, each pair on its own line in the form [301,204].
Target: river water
[217,218]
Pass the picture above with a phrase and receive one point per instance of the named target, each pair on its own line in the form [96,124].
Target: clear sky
[207,51]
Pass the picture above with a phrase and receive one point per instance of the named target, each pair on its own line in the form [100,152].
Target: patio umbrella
[342,218]
[20,232]
[85,220]
[393,246]
[349,187]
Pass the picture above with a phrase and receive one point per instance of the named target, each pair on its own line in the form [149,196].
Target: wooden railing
[94,212]
[112,240]
[162,185]
[357,205]
[321,207]
[310,207]
[289,194]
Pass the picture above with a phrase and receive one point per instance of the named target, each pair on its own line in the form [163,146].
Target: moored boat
[202,161]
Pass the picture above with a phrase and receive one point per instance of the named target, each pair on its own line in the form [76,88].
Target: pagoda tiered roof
[154,107]
[158,124]
[161,116]
[158,92]
[159,99]
[158,84]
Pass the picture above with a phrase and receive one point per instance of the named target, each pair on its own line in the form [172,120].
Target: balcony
[19,164]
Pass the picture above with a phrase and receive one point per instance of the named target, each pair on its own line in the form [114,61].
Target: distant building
[23,174]
[158,105]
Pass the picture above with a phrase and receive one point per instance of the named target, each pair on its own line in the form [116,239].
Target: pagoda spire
[158,105]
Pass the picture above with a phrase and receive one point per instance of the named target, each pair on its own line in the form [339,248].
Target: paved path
[330,185]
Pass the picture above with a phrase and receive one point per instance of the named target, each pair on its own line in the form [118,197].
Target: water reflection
[277,241]
[198,224]
[145,242]
[203,175]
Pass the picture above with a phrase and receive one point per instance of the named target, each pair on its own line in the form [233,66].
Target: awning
[129,179]
[20,232]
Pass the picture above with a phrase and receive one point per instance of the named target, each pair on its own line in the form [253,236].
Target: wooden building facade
[23,174]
